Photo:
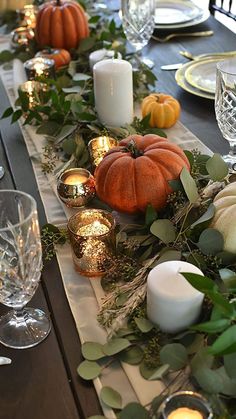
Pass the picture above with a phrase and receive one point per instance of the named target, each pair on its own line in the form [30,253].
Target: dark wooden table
[42,383]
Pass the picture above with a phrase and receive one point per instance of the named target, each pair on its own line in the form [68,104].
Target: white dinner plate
[202,74]
[173,12]
[182,82]
[196,21]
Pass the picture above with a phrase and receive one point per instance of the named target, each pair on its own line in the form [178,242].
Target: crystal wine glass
[225,106]
[138,24]
[20,270]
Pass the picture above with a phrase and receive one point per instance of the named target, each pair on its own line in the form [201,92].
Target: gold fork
[185,34]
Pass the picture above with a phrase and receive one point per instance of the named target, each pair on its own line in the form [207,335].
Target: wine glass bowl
[20,270]
[225,106]
[138,22]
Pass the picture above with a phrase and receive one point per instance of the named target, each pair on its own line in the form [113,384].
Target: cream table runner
[85,295]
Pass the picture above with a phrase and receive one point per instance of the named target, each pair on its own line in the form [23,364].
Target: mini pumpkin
[61,24]
[164,110]
[225,216]
[136,173]
[61,57]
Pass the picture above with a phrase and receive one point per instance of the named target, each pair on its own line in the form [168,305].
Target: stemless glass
[20,270]
[138,24]
[225,106]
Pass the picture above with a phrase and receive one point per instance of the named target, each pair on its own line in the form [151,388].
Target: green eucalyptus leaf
[69,146]
[16,115]
[229,278]
[189,156]
[81,77]
[115,345]
[132,355]
[224,342]
[86,117]
[150,215]
[228,383]
[89,370]
[216,326]
[92,351]
[206,217]
[175,355]
[201,160]
[201,360]
[8,112]
[164,229]
[189,185]
[65,132]
[48,128]
[175,185]
[86,44]
[145,371]
[209,380]
[230,365]
[166,255]
[211,241]
[160,372]
[134,411]
[143,324]
[111,397]
[196,345]
[200,282]
[222,303]
[72,89]
[217,168]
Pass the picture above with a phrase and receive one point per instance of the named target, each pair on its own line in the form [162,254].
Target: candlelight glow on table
[39,66]
[186,405]
[92,239]
[34,91]
[172,303]
[99,146]
[76,187]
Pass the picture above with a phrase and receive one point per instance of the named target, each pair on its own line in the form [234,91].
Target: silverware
[185,34]
[2,172]
[4,360]
[175,66]
[190,56]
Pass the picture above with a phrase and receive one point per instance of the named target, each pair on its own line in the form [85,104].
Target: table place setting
[140,213]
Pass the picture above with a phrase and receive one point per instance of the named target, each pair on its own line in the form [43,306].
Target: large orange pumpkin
[61,24]
[136,173]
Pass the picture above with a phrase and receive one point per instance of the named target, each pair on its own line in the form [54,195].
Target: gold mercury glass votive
[99,146]
[39,66]
[92,238]
[28,15]
[186,404]
[76,187]
[35,92]
[21,36]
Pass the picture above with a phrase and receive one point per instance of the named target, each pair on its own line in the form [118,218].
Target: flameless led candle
[102,54]
[39,66]
[92,239]
[76,187]
[113,92]
[172,303]
[99,146]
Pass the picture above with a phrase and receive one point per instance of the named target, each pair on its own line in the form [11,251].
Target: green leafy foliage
[111,398]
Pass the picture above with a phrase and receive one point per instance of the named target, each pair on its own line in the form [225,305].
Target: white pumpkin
[225,216]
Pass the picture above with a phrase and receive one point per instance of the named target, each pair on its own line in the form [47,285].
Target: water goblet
[138,25]
[20,271]
[225,106]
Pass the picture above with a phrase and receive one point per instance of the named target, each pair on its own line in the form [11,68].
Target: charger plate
[175,12]
[182,82]
[202,74]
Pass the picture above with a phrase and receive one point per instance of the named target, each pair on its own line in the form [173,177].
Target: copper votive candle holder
[76,187]
[39,66]
[21,36]
[35,92]
[92,237]
[28,15]
[99,146]
[186,403]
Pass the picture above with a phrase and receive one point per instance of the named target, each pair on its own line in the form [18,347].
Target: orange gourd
[136,173]
[61,57]
[164,110]
[61,24]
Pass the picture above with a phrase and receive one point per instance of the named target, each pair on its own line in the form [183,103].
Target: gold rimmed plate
[183,83]
[171,12]
[202,74]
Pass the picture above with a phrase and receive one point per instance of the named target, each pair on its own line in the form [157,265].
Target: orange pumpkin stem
[132,148]
[58,2]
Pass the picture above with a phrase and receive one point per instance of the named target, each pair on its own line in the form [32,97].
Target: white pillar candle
[102,54]
[172,303]
[113,91]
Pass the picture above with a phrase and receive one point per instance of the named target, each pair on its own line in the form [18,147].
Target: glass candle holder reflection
[186,404]
[35,91]
[76,187]
[28,15]
[21,36]
[99,146]
[39,66]
[92,238]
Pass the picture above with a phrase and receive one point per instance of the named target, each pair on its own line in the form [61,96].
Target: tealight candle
[102,54]
[172,303]
[76,187]
[35,92]
[99,146]
[21,36]
[113,92]
[39,66]
[92,239]
[186,405]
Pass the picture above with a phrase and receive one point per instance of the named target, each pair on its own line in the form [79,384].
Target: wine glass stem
[20,315]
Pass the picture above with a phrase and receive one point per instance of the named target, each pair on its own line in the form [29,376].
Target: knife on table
[175,66]
[4,360]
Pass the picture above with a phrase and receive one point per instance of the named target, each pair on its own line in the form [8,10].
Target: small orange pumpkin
[61,57]
[61,24]
[136,173]
[164,110]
